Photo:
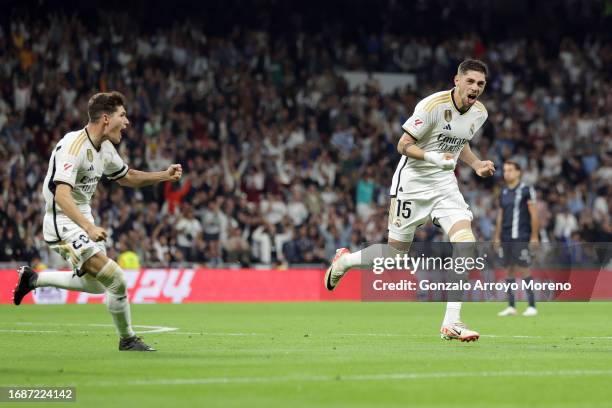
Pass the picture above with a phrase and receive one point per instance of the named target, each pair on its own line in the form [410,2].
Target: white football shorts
[69,240]
[446,206]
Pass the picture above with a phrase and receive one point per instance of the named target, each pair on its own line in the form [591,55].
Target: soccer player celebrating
[424,184]
[77,163]
[517,224]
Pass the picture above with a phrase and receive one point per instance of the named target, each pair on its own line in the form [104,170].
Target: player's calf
[113,278]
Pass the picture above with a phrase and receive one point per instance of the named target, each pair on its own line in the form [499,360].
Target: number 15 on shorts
[399,209]
[402,208]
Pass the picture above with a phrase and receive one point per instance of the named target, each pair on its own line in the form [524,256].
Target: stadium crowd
[283,161]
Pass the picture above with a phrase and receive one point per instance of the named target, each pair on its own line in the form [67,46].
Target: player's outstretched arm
[63,197]
[407,147]
[137,178]
[484,168]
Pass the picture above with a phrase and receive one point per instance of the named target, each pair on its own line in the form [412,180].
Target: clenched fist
[175,172]
[96,233]
[484,168]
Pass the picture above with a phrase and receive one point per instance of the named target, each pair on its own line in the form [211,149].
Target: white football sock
[68,280]
[366,256]
[351,260]
[453,313]
[112,277]
[453,309]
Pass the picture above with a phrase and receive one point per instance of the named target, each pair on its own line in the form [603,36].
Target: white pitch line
[216,334]
[353,377]
[150,329]
[27,331]
[501,336]
[176,331]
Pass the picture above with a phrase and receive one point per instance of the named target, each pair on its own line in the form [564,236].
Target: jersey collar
[452,92]
[90,141]
[518,186]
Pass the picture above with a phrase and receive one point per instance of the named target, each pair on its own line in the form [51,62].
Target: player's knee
[463,235]
[113,278]
[400,247]
[464,243]
[394,250]
[95,263]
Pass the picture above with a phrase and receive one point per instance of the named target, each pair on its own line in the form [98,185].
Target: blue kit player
[516,231]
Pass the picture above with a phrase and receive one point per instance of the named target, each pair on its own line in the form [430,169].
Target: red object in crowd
[175,197]
[479,49]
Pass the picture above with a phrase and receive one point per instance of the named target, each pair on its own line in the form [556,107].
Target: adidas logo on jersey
[447,127]
[91,168]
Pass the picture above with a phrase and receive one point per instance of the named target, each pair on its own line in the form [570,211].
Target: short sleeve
[483,117]
[66,166]
[419,123]
[532,195]
[114,167]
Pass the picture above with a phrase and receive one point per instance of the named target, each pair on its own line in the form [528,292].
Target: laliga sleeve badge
[472,129]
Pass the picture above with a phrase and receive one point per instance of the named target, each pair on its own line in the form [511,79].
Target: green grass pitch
[314,354]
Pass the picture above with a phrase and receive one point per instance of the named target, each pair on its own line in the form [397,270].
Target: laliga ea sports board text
[458,265]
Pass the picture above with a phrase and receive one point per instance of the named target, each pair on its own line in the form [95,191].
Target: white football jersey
[76,161]
[438,126]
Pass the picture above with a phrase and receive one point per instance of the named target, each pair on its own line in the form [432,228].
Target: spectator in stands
[237,248]
[188,228]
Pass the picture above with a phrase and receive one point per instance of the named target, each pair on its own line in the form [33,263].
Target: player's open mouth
[472,98]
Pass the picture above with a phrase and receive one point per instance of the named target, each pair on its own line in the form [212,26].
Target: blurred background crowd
[284,162]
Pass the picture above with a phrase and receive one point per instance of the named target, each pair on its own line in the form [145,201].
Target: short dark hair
[513,163]
[104,102]
[472,65]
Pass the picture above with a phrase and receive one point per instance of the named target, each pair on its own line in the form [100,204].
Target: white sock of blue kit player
[113,278]
[68,280]
[453,309]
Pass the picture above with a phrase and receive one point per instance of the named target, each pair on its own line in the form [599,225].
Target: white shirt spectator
[187,229]
[601,211]
[22,97]
[273,210]
[296,138]
[298,212]
[68,96]
[565,224]
[551,165]
[262,245]
[211,222]
[531,174]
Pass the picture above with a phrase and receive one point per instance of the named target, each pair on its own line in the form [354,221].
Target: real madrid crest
[472,129]
[397,222]
[89,155]
[448,115]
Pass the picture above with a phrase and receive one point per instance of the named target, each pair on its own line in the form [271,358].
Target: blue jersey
[516,220]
